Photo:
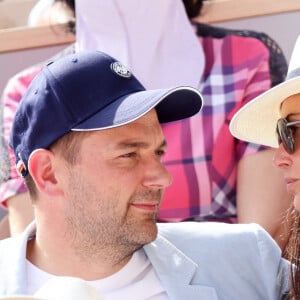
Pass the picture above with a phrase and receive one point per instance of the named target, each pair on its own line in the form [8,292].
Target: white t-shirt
[136,280]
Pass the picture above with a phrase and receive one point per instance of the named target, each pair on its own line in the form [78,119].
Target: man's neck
[61,260]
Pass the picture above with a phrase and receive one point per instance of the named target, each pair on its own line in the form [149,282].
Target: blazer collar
[176,271]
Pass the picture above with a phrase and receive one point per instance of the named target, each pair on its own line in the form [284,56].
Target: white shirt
[136,280]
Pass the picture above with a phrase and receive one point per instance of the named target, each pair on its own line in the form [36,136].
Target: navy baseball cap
[86,91]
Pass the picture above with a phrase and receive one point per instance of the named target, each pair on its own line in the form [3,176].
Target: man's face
[114,191]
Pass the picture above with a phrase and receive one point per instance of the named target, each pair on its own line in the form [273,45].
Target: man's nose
[156,175]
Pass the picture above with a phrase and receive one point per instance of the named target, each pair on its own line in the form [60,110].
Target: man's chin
[149,233]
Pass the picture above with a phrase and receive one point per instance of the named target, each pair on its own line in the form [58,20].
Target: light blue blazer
[205,261]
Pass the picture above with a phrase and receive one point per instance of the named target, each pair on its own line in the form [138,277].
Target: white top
[154,39]
[136,280]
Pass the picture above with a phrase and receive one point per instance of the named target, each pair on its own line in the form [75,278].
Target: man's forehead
[129,136]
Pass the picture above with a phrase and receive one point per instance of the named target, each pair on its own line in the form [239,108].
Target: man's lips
[146,206]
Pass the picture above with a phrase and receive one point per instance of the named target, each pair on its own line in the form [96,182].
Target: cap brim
[256,121]
[171,105]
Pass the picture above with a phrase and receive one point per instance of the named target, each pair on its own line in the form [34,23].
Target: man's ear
[41,169]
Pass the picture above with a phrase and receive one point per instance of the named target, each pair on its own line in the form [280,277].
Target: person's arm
[262,196]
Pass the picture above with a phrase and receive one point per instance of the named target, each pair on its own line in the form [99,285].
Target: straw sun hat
[62,288]
[256,121]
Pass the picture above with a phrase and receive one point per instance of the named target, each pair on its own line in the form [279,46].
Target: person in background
[216,177]
[276,115]
[13,192]
[207,184]
[88,141]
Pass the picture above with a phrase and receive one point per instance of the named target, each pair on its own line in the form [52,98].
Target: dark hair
[193,7]
[69,145]
[71,27]
[69,148]
[29,182]
[69,3]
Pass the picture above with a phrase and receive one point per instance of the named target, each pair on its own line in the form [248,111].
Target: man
[88,140]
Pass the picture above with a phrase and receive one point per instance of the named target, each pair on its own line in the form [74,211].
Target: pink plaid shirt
[202,155]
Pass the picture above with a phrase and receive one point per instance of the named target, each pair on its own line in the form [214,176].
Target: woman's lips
[290,183]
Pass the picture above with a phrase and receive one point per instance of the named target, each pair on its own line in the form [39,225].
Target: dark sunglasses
[285,133]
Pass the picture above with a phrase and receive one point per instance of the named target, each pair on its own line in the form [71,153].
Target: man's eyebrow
[133,144]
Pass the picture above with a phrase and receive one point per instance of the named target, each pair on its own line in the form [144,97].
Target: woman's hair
[292,253]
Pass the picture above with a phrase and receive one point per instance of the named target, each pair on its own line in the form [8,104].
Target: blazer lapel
[176,271]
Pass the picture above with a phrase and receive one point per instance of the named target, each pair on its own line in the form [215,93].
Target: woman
[273,119]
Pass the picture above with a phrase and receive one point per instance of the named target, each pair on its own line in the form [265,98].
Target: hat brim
[256,121]
[170,104]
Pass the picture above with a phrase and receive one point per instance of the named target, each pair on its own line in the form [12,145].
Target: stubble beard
[106,234]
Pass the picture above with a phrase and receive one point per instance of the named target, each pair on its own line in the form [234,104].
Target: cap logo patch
[120,69]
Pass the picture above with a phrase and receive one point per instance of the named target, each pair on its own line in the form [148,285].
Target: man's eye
[129,155]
